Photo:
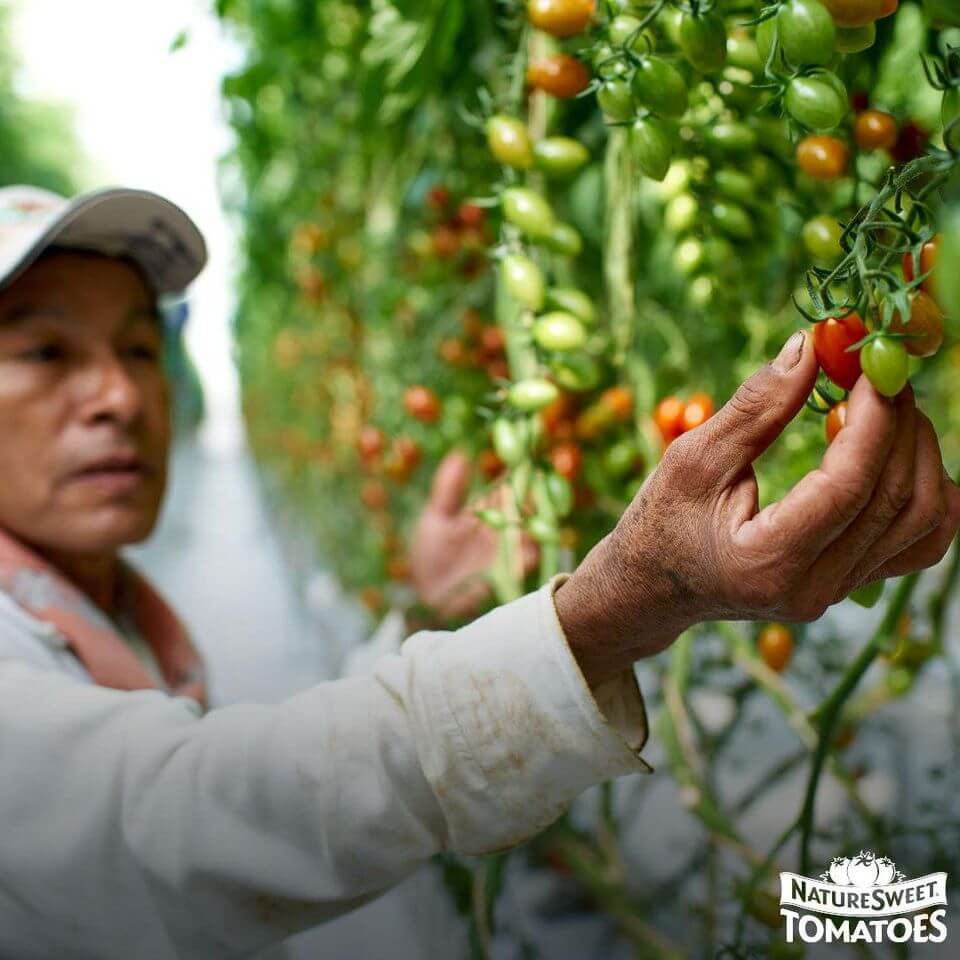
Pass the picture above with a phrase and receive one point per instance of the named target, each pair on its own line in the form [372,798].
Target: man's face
[84,405]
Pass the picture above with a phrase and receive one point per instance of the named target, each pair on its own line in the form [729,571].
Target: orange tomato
[875,130]
[371,442]
[567,460]
[823,157]
[699,410]
[775,645]
[559,416]
[929,255]
[491,466]
[373,495]
[859,13]
[561,18]
[422,404]
[561,76]
[836,421]
[619,401]
[669,418]
[924,328]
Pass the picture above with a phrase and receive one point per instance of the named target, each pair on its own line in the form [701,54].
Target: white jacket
[133,827]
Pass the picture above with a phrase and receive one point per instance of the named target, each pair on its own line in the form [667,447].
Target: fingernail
[791,353]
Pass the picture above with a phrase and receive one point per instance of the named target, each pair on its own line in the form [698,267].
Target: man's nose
[110,392]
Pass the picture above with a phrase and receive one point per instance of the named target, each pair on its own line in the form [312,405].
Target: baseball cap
[155,233]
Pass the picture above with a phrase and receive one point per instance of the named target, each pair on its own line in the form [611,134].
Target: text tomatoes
[875,130]
[924,328]
[887,365]
[561,18]
[836,421]
[560,75]
[822,157]
[832,340]
[775,645]
[422,404]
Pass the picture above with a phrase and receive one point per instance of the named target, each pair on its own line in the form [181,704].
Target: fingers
[893,493]
[758,412]
[450,484]
[828,500]
[923,514]
[930,550]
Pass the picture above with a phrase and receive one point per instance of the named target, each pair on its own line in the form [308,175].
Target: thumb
[450,484]
[759,411]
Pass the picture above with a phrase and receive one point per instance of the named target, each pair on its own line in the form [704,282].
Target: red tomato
[561,18]
[492,342]
[454,352]
[776,646]
[472,323]
[407,451]
[491,466]
[439,198]
[669,418]
[422,404]
[445,242]
[398,568]
[859,100]
[470,215]
[911,143]
[929,255]
[823,157]
[875,130]
[558,418]
[560,75]
[567,460]
[373,495]
[831,339]
[836,421]
[371,442]
[859,13]
[699,410]
[619,401]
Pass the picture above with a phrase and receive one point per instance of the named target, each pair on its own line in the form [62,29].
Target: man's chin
[105,530]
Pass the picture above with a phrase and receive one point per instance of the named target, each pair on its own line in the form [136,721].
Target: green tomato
[855,39]
[529,211]
[703,40]
[681,213]
[814,102]
[625,31]
[621,458]
[742,52]
[509,141]
[560,156]
[702,291]
[900,680]
[719,252]
[659,86]
[573,301]
[511,441]
[560,492]
[524,280]
[767,32]
[735,185]
[577,372]
[886,364]
[821,236]
[616,100]
[559,331]
[607,64]
[543,530]
[688,257]
[565,240]
[807,32]
[732,137]
[869,596]
[653,146]
[733,220]
[532,395]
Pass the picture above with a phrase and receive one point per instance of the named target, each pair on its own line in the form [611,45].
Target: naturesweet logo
[875,903]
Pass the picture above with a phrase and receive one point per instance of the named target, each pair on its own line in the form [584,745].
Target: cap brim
[153,232]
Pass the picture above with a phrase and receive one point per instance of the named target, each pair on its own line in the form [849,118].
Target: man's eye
[145,351]
[46,353]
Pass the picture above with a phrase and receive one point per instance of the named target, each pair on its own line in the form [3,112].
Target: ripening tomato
[532,395]
[561,18]
[836,421]
[557,419]
[422,404]
[815,101]
[924,328]
[911,143]
[559,331]
[493,342]
[807,32]
[699,410]
[471,215]
[560,75]
[619,401]
[856,39]
[509,141]
[444,241]
[929,255]
[875,130]
[775,644]
[886,364]
[560,156]
[567,460]
[831,340]
[490,465]
[703,40]
[669,418]
[660,87]
[529,211]
[373,495]
[439,198]
[371,442]
[858,13]
[822,157]
[524,280]
[821,236]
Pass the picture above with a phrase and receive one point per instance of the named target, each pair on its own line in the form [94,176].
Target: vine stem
[830,711]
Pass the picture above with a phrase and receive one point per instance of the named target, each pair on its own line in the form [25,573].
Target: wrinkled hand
[693,546]
[452,549]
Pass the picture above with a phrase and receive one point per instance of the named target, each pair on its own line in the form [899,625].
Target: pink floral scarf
[49,596]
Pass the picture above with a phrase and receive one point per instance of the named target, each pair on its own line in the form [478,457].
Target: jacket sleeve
[217,835]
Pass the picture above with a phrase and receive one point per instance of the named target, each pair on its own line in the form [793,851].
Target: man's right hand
[693,546]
